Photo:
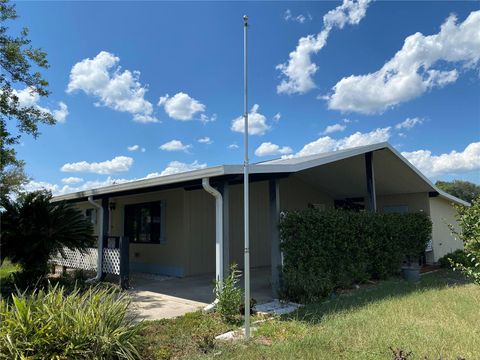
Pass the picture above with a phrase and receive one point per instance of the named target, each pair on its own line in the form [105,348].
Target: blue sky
[113,64]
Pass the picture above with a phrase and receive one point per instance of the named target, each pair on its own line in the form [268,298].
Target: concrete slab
[163,297]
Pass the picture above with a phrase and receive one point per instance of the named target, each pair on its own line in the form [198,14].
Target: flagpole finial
[245,20]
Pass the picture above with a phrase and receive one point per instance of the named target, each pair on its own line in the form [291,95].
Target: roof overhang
[277,167]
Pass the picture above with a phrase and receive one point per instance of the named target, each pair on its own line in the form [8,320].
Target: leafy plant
[229,295]
[326,250]
[54,325]
[457,257]
[468,219]
[34,229]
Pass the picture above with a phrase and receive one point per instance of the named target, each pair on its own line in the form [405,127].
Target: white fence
[88,260]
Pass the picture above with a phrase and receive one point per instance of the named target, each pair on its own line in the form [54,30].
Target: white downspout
[100,240]
[218,235]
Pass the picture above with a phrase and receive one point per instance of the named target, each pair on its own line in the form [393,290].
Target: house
[191,223]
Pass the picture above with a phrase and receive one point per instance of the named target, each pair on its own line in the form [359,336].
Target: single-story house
[191,223]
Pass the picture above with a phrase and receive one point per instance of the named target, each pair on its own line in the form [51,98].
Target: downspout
[218,236]
[100,241]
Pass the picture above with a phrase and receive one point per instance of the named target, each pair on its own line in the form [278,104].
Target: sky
[152,88]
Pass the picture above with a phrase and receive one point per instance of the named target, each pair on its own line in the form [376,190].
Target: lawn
[436,318]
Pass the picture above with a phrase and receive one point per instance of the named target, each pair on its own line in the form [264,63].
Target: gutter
[99,242]
[218,237]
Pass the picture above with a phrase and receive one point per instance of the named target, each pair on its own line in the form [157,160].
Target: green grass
[437,318]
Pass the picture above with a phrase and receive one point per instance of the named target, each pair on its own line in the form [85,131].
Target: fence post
[124,262]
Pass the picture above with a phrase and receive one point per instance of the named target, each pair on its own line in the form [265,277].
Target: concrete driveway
[157,297]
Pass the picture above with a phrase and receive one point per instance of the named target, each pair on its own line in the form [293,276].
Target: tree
[468,218]
[464,190]
[19,64]
[34,229]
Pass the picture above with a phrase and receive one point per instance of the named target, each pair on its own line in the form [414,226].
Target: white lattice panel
[111,261]
[77,260]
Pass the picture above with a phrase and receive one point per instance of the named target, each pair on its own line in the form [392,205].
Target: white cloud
[409,123]
[299,70]
[277,117]
[206,119]
[257,123]
[175,167]
[300,18]
[205,140]
[268,149]
[233,146]
[448,163]
[133,148]
[117,164]
[29,98]
[327,144]
[411,72]
[72,180]
[66,189]
[175,145]
[334,128]
[181,106]
[102,78]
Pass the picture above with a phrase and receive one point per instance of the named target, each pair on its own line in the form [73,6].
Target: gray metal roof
[282,165]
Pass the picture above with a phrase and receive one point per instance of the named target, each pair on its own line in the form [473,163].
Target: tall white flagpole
[245,187]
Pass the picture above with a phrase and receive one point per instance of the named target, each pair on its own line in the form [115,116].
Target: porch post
[124,262]
[106,221]
[224,190]
[276,256]
[371,193]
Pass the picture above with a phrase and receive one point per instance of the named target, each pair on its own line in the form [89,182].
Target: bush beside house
[326,250]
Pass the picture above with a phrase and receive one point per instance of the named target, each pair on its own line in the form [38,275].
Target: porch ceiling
[347,178]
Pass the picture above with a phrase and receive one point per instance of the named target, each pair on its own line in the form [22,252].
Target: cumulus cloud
[117,164]
[409,123]
[205,119]
[268,149]
[421,65]
[233,146]
[334,128]
[327,144]
[66,189]
[133,148]
[277,117]
[72,180]
[103,78]
[300,18]
[454,162]
[257,123]
[205,140]
[298,72]
[175,145]
[181,106]
[175,167]
[28,97]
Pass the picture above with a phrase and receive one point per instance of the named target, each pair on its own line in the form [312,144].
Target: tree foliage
[464,190]
[34,229]
[468,231]
[20,63]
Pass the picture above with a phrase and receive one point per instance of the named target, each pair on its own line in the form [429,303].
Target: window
[91,214]
[145,223]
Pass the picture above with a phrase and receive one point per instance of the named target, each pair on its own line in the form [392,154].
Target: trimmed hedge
[326,250]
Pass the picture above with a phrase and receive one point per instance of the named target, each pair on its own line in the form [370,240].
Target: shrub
[468,219]
[34,229]
[229,295]
[53,325]
[325,250]
[457,257]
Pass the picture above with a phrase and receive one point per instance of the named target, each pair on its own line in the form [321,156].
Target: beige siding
[416,202]
[170,256]
[296,194]
[84,205]
[442,213]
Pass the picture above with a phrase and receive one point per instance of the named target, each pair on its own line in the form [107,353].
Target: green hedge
[326,250]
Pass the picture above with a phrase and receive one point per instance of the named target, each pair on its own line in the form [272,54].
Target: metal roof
[282,165]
